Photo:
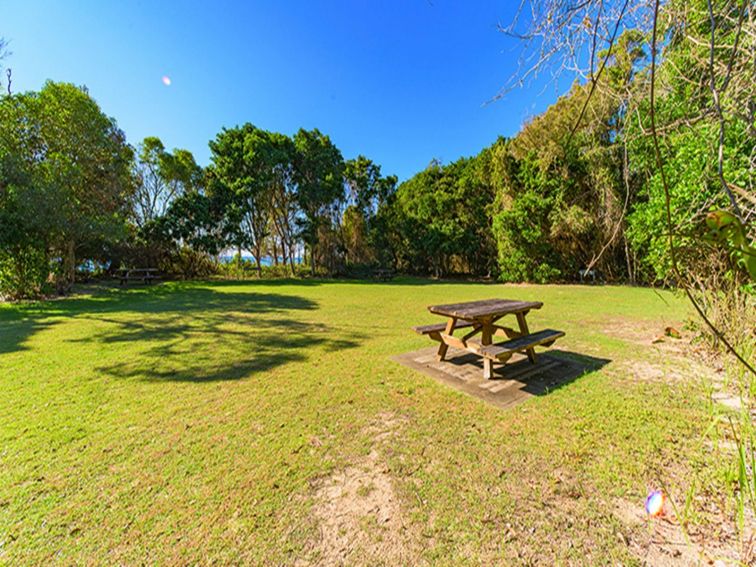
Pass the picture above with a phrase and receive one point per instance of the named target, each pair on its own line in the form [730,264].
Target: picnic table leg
[485,339]
[524,330]
[443,347]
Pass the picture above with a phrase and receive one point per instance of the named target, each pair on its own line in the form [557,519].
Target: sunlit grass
[187,422]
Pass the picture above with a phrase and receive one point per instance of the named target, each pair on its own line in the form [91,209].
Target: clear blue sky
[401,82]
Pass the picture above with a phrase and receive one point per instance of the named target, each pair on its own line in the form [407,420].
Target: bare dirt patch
[647,371]
[671,354]
[359,515]
[662,541]
[676,359]
[664,336]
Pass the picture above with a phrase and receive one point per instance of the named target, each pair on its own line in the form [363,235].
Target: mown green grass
[187,422]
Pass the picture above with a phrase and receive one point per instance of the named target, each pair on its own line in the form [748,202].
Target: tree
[686,123]
[194,220]
[561,193]
[366,186]
[73,167]
[283,195]
[442,215]
[318,172]
[25,207]
[367,192]
[161,177]
[244,162]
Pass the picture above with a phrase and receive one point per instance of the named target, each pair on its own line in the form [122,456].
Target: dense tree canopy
[442,220]
[66,179]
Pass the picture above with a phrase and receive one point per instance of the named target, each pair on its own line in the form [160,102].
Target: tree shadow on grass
[214,346]
[182,332]
[180,297]
[213,336]
[399,280]
[16,329]
[19,322]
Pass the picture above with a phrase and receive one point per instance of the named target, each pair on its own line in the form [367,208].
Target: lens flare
[655,503]
[166,80]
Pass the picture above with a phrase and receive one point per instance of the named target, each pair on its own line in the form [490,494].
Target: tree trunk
[630,274]
[258,254]
[289,256]
[239,262]
[68,269]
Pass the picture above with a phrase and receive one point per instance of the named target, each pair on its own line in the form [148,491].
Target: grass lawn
[265,423]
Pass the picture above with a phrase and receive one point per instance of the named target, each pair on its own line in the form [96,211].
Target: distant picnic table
[383,274]
[145,275]
[483,317]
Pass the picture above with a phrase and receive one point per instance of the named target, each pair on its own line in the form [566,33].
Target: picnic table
[383,274]
[145,275]
[483,317]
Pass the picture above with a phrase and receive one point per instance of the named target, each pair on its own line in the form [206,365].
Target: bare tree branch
[720,114]
[594,82]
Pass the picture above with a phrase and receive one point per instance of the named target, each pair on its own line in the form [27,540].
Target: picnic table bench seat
[502,351]
[439,327]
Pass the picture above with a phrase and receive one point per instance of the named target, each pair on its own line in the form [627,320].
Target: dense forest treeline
[564,196]
[576,189]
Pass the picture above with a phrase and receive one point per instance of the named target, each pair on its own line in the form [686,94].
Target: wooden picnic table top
[472,310]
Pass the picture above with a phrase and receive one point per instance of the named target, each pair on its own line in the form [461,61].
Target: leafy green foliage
[441,220]
[522,231]
[194,220]
[161,177]
[23,271]
[726,230]
[244,164]
[66,176]
[318,172]
[365,227]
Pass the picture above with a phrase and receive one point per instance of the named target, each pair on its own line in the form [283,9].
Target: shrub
[243,268]
[23,272]
[189,263]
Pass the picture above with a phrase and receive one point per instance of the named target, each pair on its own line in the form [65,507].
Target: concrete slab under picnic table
[512,383]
